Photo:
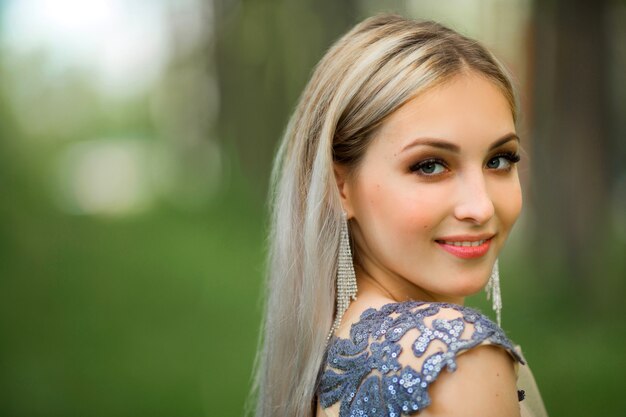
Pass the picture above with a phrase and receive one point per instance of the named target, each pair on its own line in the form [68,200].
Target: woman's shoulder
[394,352]
[455,326]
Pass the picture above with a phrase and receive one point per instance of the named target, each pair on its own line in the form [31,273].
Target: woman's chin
[469,286]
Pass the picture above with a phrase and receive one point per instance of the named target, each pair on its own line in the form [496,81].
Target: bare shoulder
[484,384]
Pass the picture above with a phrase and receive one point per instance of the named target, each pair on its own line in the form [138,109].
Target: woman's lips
[466,249]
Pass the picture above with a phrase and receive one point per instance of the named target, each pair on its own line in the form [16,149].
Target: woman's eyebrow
[504,139]
[443,144]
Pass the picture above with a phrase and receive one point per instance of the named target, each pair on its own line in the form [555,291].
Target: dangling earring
[493,292]
[346,278]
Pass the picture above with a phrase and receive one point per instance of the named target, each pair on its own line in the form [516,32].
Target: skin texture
[400,206]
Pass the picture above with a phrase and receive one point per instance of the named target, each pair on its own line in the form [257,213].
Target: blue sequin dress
[365,376]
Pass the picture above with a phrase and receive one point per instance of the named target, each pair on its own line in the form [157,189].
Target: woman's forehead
[462,108]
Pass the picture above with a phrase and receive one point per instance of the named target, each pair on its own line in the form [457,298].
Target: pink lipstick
[466,247]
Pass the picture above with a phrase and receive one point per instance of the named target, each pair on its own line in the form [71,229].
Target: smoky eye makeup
[508,149]
[435,161]
[430,166]
[503,160]
[429,162]
[434,166]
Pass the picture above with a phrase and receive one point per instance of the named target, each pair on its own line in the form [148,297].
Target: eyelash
[511,157]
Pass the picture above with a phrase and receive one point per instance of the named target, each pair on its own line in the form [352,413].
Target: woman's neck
[371,282]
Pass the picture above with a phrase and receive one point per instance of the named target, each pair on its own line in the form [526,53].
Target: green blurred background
[136,140]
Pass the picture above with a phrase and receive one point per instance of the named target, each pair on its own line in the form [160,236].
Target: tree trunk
[266,51]
[571,169]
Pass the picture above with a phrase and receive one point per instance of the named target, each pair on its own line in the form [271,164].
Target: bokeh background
[136,139]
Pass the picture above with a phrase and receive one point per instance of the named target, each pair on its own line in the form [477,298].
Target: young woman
[394,190]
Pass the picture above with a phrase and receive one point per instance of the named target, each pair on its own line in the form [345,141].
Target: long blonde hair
[365,76]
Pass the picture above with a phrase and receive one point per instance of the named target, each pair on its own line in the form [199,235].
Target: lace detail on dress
[366,374]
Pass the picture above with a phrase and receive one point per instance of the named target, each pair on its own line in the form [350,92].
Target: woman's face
[437,192]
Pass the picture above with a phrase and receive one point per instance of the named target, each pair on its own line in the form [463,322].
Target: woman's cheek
[408,213]
[511,204]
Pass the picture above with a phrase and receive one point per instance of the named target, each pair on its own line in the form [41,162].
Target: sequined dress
[363,375]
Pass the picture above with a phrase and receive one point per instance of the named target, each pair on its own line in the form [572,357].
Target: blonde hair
[365,76]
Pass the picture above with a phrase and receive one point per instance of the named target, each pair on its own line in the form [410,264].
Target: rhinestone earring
[493,292]
[346,277]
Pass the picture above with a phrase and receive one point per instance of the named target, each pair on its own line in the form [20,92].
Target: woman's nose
[474,202]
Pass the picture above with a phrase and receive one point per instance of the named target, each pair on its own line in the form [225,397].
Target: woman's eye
[429,168]
[503,162]
[498,163]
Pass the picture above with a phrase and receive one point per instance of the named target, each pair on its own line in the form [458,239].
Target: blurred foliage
[579,117]
[114,318]
[155,310]
[265,52]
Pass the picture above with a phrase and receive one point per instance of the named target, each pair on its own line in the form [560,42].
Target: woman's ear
[342,177]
